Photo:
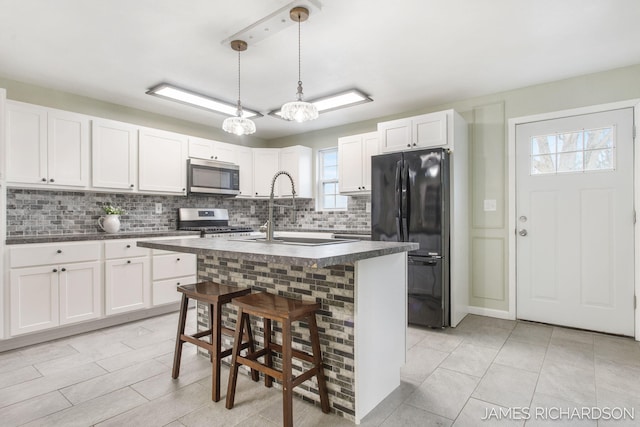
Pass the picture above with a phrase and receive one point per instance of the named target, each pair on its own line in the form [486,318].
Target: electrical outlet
[158,208]
[253,209]
[281,210]
[367,207]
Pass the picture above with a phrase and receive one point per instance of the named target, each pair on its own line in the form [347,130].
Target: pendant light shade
[239,125]
[299,110]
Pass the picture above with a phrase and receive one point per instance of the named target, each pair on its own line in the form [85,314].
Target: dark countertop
[305,256]
[55,238]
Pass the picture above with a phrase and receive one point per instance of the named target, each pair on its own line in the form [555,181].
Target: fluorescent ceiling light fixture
[174,93]
[333,102]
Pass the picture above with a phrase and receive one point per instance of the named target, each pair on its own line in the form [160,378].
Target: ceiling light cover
[194,99]
[238,125]
[299,110]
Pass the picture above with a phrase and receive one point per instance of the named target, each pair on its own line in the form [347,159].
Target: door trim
[511,192]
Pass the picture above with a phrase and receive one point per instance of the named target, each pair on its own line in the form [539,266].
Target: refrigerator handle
[405,200]
[398,206]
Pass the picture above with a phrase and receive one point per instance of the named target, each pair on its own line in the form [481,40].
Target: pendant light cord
[239,106]
[299,50]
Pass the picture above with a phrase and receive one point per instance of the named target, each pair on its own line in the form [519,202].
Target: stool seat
[275,307]
[215,295]
[212,292]
[284,310]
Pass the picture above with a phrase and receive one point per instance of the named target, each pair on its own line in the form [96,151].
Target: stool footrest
[195,341]
[296,353]
[304,376]
[201,334]
[253,364]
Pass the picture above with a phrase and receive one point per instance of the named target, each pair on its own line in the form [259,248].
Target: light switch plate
[490,205]
[158,208]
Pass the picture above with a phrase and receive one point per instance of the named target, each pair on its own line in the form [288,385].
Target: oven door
[210,177]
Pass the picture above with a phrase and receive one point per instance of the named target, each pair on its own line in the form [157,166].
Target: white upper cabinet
[245,165]
[162,157]
[47,146]
[207,149]
[297,161]
[424,131]
[266,163]
[114,155]
[354,162]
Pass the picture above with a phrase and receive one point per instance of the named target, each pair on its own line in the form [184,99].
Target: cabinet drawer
[173,265]
[164,291]
[53,254]
[125,248]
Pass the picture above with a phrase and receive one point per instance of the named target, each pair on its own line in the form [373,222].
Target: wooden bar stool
[284,310]
[215,295]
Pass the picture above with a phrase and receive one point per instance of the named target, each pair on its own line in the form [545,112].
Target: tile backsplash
[43,212]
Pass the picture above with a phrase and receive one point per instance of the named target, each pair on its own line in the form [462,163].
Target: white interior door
[575,221]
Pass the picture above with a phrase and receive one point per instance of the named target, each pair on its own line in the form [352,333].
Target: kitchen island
[362,288]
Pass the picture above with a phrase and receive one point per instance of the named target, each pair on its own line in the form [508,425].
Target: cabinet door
[115,155]
[224,152]
[127,285]
[395,135]
[200,148]
[297,161]
[350,164]
[68,148]
[26,130]
[34,299]
[80,292]
[245,163]
[162,164]
[370,147]
[266,163]
[429,130]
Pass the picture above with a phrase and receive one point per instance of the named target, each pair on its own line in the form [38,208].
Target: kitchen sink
[299,241]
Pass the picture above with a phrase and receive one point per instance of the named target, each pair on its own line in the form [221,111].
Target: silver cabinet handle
[522,232]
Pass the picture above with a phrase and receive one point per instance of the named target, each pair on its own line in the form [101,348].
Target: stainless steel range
[210,223]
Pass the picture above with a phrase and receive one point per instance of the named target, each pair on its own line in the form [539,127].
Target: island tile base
[333,286]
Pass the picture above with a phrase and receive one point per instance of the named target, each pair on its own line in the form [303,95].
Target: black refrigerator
[410,203]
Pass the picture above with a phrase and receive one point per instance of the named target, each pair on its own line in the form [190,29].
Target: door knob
[522,232]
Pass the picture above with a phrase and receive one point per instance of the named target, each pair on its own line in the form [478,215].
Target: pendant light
[299,110]
[238,125]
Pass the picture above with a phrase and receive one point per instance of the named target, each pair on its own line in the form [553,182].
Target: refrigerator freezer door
[427,201]
[428,297]
[385,197]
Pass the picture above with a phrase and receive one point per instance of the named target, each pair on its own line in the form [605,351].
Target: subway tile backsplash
[42,212]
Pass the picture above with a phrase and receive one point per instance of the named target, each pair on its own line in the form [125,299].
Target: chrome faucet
[269,223]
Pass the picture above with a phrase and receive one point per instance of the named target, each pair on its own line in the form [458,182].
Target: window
[328,196]
[584,150]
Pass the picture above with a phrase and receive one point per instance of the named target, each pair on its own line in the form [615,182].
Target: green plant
[113,210]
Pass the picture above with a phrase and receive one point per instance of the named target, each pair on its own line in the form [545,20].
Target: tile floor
[121,376]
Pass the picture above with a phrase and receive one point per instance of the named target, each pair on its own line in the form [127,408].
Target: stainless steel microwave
[211,177]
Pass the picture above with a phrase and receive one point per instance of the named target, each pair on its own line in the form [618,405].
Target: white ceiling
[407,54]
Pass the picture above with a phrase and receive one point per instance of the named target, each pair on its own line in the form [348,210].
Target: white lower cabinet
[127,284]
[171,269]
[80,290]
[45,293]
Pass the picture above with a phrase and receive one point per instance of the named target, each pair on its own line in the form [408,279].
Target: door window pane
[583,150]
